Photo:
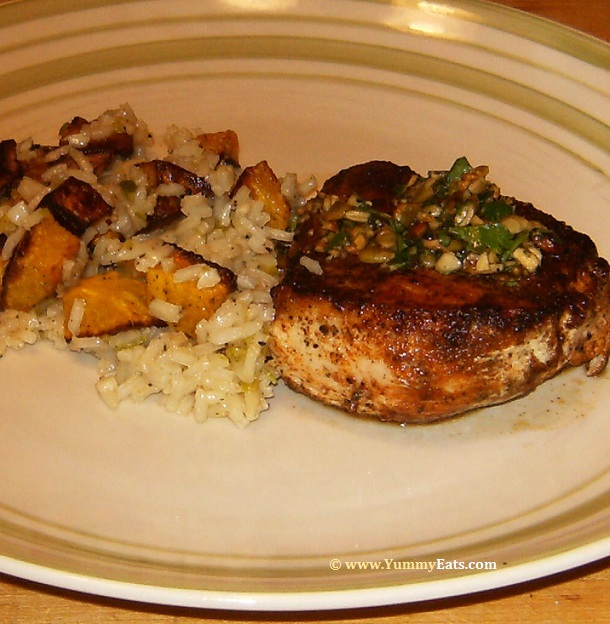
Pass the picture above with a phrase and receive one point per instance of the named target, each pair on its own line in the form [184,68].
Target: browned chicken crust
[417,345]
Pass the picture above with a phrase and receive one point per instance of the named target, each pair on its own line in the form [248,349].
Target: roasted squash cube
[10,167]
[168,207]
[3,263]
[196,303]
[36,267]
[225,144]
[76,205]
[265,187]
[114,143]
[166,172]
[111,301]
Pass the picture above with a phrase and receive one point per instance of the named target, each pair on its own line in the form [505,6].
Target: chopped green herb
[517,241]
[458,169]
[339,239]
[479,238]
[496,210]
[128,187]
[444,238]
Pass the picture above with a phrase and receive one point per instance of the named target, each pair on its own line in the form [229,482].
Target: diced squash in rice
[196,303]
[3,265]
[36,267]
[165,172]
[112,302]
[3,261]
[114,143]
[10,167]
[225,144]
[265,187]
[76,205]
[168,207]
[109,207]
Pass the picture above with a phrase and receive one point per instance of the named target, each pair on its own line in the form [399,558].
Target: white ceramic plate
[144,505]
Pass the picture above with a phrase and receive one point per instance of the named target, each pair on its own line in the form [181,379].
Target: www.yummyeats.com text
[434,565]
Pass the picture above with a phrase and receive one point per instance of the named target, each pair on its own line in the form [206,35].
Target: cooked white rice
[227,370]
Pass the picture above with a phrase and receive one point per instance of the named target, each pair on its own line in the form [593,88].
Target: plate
[308,508]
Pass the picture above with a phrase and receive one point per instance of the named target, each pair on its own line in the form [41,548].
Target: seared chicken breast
[414,298]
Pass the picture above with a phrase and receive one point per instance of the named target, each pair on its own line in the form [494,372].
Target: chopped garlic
[448,263]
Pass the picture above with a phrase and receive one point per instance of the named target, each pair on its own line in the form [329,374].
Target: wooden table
[572,597]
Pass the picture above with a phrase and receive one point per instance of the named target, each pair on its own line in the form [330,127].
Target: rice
[313,266]
[225,371]
[76,316]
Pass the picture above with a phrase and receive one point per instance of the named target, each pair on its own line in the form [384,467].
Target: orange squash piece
[112,302]
[225,144]
[36,267]
[196,303]
[265,187]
